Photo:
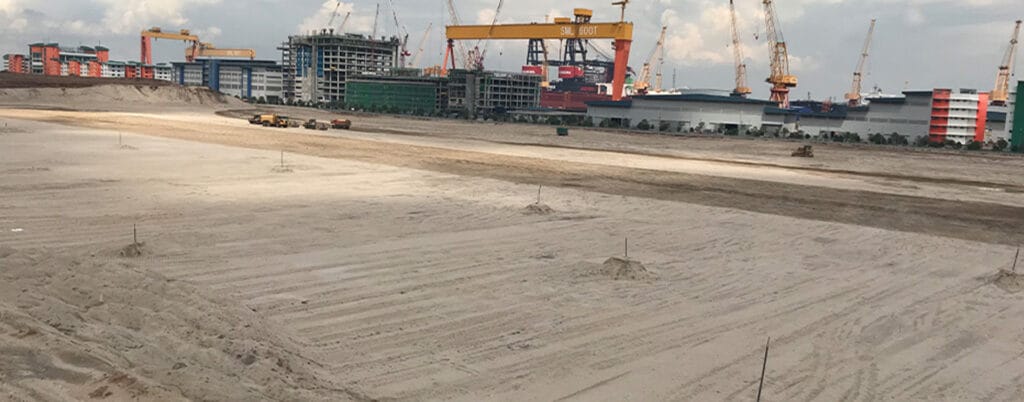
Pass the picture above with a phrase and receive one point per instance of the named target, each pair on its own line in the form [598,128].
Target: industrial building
[251,79]
[941,114]
[698,111]
[82,61]
[316,67]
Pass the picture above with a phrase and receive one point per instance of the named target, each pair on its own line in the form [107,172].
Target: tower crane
[642,83]
[423,42]
[1001,91]
[780,77]
[479,54]
[854,97]
[737,53]
[402,33]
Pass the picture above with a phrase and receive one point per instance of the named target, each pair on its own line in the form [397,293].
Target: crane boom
[737,53]
[376,16]
[854,96]
[780,77]
[209,50]
[423,42]
[1001,92]
[334,14]
[341,28]
[643,83]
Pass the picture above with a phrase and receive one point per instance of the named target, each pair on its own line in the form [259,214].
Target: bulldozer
[805,151]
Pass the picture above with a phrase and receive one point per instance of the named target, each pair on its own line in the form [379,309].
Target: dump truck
[341,124]
[312,124]
[805,151]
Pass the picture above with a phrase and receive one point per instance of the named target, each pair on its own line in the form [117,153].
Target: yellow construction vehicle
[273,120]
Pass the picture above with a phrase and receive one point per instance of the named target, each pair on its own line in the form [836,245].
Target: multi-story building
[251,79]
[15,63]
[315,67]
[958,116]
[483,92]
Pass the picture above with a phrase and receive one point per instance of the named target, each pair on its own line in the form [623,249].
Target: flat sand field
[405,260]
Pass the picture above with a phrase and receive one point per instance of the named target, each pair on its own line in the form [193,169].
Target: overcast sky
[920,44]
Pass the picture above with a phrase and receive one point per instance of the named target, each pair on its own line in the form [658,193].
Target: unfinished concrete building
[315,67]
[486,92]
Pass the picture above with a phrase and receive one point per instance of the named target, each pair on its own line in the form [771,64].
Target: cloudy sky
[919,44]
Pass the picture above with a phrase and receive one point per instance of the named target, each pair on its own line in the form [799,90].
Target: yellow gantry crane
[1001,92]
[780,77]
[209,50]
[854,98]
[737,53]
[643,81]
[195,49]
[561,29]
[156,33]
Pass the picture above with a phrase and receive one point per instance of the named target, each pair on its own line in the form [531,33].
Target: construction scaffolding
[398,94]
[315,67]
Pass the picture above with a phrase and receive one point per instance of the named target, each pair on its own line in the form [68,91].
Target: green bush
[587,122]
[664,126]
[643,125]
[974,146]
[1000,145]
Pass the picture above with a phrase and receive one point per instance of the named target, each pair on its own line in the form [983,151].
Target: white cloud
[123,17]
[485,16]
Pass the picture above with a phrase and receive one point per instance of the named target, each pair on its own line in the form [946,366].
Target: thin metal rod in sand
[282,158]
[764,366]
[626,243]
[135,235]
[1014,270]
[538,194]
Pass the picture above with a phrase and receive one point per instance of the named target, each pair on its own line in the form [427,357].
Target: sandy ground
[408,266]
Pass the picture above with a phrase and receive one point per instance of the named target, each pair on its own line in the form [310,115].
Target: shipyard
[393,200]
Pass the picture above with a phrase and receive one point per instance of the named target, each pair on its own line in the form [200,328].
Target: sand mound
[538,209]
[281,169]
[77,327]
[1009,281]
[116,97]
[625,269]
[132,250]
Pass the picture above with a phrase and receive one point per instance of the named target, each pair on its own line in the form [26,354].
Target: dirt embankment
[97,326]
[120,97]
[11,80]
